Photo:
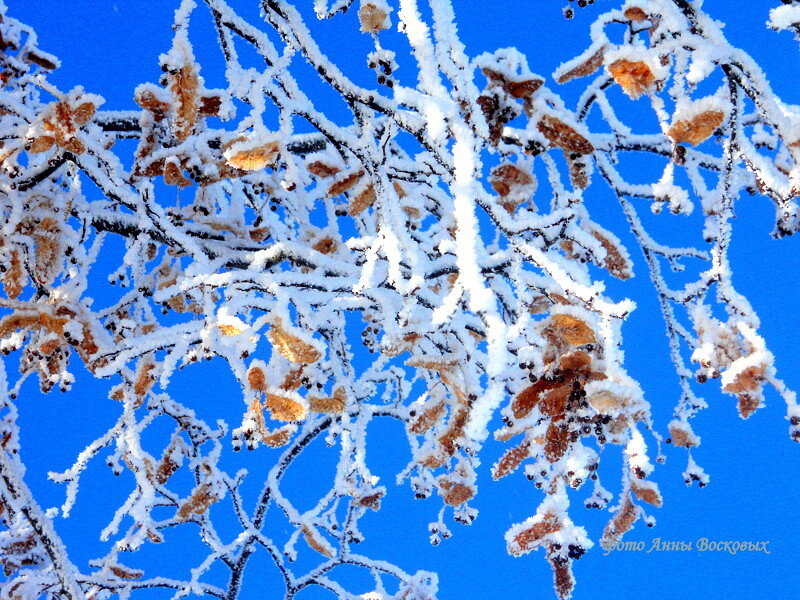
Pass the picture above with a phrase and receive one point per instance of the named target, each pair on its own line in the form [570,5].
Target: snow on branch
[421,253]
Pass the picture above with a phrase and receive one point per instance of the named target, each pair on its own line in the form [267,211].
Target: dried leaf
[747,404]
[577,361]
[372,18]
[587,67]
[507,177]
[148,100]
[635,14]
[635,77]
[334,405]
[124,572]
[290,346]
[554,402]
[254,159]
[428,418]
[325,245]
[228,330]
[184,84]
[322,169]
[345,183]
[616,261]
[83,113]
[279,437]
[697,129]
[43,143]
[315,540]
[529,397]
[362,201]
[516,88]
[73,145]
[144,378]
[371,500]
[286,408]
[747,380]
[564,136]
[682,435]
[197,503]
[173,175]
[606,401]
[432,364]
[14,278]
[570,329]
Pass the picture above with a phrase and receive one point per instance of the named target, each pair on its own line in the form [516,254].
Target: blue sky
[110,47]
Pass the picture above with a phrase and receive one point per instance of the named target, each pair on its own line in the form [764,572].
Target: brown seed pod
[563,580]
[578,171]
[315,540]
[170,463]
[533,536]
[682,435]
[647,491]
[457,494]
[556,441]
[620,523]
[511,460]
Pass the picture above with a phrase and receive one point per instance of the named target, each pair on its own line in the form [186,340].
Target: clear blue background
[109,47]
